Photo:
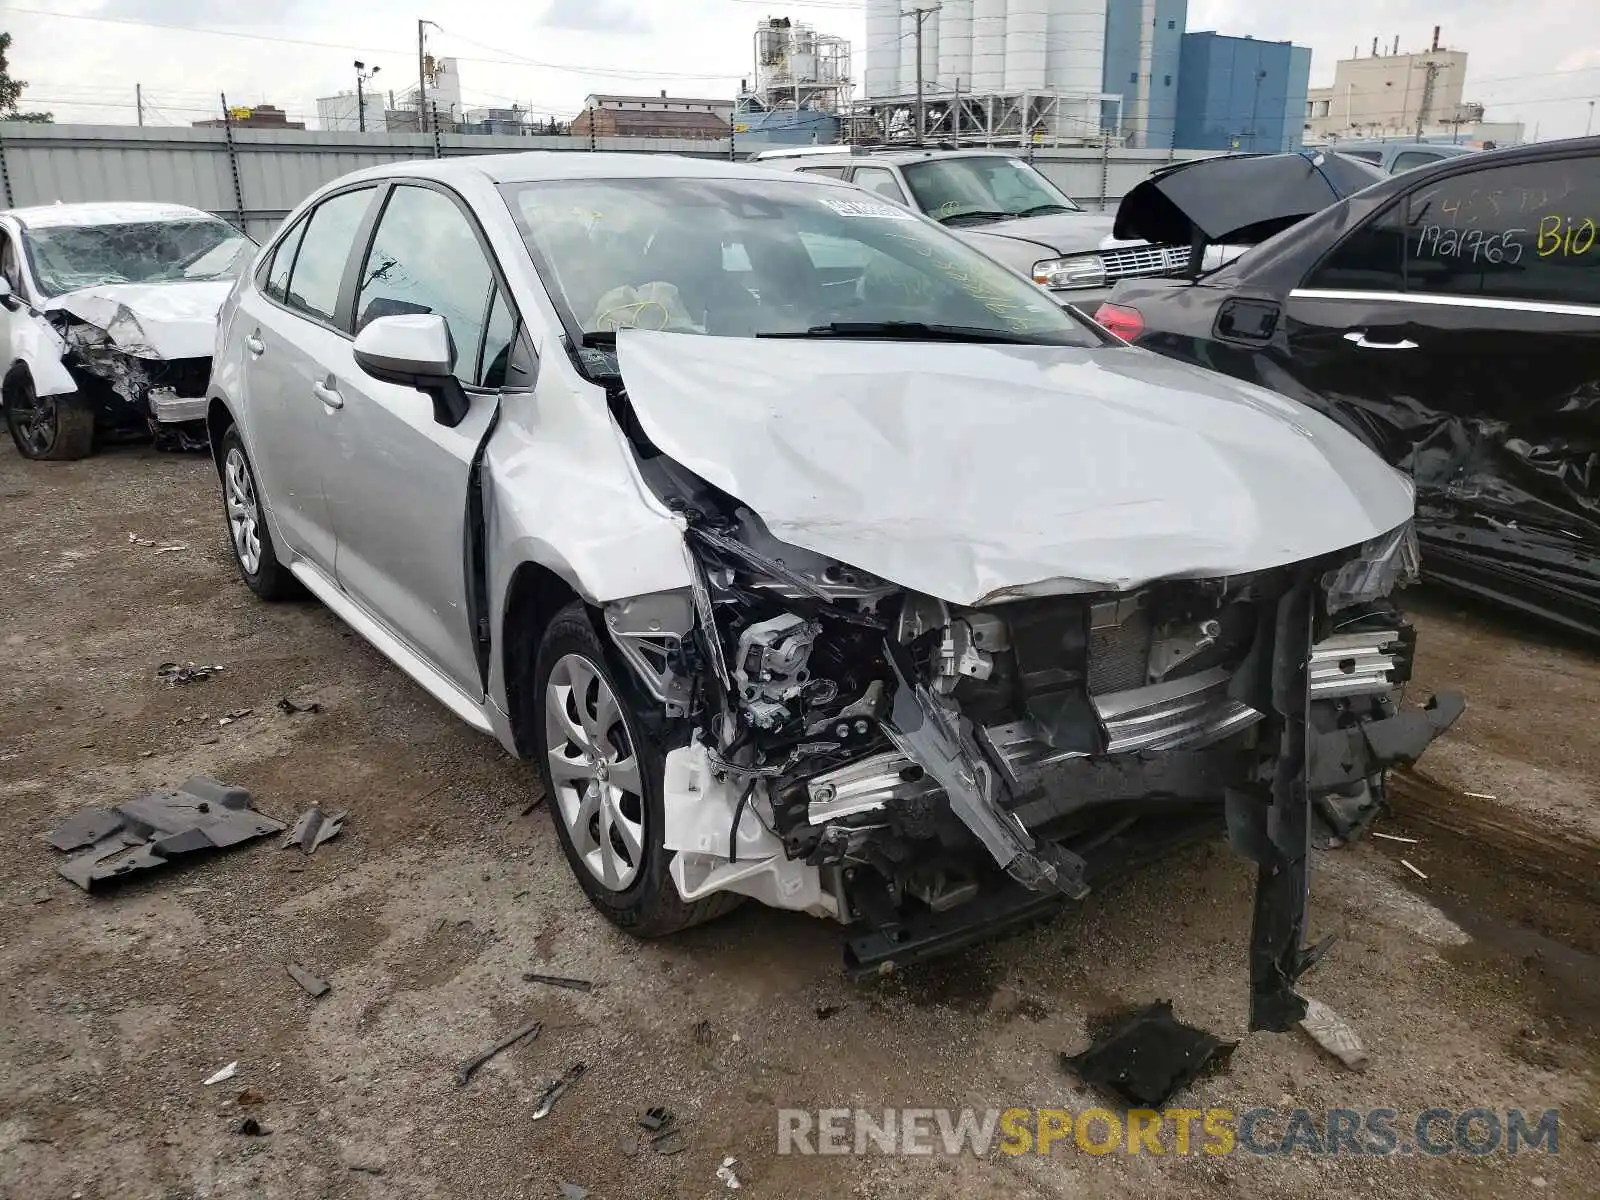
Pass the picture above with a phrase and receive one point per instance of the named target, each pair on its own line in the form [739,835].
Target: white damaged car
[811,555]
[108,316]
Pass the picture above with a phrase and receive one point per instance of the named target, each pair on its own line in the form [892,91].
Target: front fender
[36,345]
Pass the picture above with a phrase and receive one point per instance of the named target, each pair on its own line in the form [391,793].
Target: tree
[11,91]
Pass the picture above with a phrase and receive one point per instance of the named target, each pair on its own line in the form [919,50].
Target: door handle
[328,395]
[1358,339]
[255,345]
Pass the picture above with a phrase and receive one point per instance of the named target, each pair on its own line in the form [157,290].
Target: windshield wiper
[1040,209]
[605,339]
[982,214]
[907,331]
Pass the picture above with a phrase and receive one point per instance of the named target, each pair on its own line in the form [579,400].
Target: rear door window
[1411,159]
[277,285]
[325,252]
[880,180]
[832,172]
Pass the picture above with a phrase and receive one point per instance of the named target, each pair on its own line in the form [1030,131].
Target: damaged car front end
[934,709]
[111,323]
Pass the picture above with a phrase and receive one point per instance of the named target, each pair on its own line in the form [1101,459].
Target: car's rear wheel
[248,534]
[602,776]
[53,428]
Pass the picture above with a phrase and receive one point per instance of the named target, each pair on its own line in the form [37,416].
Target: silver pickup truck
[1004,206]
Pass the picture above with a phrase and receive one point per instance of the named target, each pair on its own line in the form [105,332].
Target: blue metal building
[1123,68]
[1237,93]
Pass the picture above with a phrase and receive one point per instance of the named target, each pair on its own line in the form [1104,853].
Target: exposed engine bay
[929,773]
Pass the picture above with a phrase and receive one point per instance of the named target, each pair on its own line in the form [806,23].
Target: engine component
[968,649]
[1179,643]
[770,672]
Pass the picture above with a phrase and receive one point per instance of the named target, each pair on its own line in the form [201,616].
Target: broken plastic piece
[202,814]
[467,1069]
[726,1173]
[290,707]
[656,1119]
[1334,1034]
[222,1076]
[315,988]
[557,1089]
[671,1142]
[176,673]
[571,1191]
[1391,837]
[560,981]
[1149,1056]
[1415,870]
[313,828]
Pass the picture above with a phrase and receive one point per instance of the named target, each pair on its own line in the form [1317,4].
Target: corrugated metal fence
[255,176]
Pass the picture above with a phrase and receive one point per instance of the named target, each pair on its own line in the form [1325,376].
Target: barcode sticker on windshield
[867,208]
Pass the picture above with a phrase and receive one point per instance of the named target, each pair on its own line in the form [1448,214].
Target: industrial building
[1395,95]
[1238,93]
[343,112]
[258,116]
[802,87]
[652,116]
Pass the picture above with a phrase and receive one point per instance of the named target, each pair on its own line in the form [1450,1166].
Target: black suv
[1450,316]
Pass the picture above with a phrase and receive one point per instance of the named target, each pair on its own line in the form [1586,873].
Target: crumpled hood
[1045,236]
[983,473]
[152,320]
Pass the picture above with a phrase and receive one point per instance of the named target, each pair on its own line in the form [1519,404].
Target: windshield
[756,257]
[977,188]
[66,258]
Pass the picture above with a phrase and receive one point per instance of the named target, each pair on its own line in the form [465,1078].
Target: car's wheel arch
[219,419]
[534,594]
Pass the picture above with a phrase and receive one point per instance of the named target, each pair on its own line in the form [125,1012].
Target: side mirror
[414,350]
[6,298]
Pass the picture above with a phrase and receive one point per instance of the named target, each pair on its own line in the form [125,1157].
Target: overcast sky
[1537,61]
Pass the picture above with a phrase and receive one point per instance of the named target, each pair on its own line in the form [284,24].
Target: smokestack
[1435,37]
[1397,43]
[663,93]
[1374,47]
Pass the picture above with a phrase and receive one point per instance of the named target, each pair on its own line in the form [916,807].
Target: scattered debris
[628,1144]
[1480,795]
[249,1099]
[533,804]
[671,1142]
[827,1011]
[1148,1056]
[466,1070]
[176,673]
[1413,868]
[571,1191]
[202,814]
[291,708]
[174,549]
[557,1089]
[657,1119]
[576,985]
[315,988]
[1394,837]
[702,1034]
[367,1168]
[222,1076]
[726,1173]
[251,1127]
[135,540]
[313,828]
[1334,1034]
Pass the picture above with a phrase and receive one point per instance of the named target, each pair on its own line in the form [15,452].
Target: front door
[1459,331]
[398,481]
[291,336]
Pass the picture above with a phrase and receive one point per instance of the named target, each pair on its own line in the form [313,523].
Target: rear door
[291,328]
[1460,329]
[398,482]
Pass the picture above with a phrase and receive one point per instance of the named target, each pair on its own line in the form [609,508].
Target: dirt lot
[1477,987]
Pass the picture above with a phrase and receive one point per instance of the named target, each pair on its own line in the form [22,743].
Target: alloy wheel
[34,419]
[244,515]
[594,770]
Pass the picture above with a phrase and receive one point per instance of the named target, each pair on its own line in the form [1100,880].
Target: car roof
[48,216]
[540,166]
[1399,146]
[900,157]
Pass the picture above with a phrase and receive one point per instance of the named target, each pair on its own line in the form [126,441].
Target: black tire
[270,579]
[52,429]
[650,906]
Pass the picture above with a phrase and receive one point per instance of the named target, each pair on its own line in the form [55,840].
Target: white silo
[908,51]
[1026,48]
[955,45]
[988,45]
[1076,35]
[883,48]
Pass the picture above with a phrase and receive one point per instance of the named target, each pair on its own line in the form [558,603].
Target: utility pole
[422,73]
[362,75]
[138,100]
[1588,125]
[920,15]
[1431,71]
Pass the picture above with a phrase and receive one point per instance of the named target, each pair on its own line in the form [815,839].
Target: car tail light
[1126,323]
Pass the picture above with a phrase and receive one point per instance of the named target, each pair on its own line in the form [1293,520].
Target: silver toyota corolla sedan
[812,556]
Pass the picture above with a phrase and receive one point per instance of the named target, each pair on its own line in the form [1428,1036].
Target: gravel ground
[1477,987]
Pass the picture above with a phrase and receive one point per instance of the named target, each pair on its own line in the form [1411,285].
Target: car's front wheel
[248,535]
[55,428]
[602,776]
